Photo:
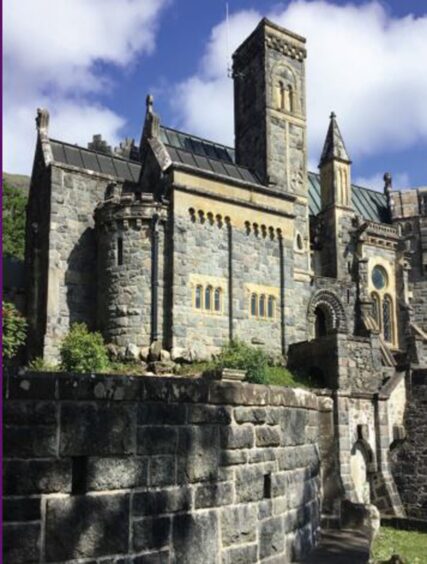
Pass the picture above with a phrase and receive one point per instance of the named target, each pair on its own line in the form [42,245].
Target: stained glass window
[388,319]
[379,278]
[376,309]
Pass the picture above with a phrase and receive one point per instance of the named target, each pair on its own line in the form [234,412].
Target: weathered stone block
[238,525]
[195,538]
[21,543]
[151,533]
[231,457]
[86,526]
[21,509]
[213,495]
[23,477]
[198,453]
[161,414]
[115,473]
[249,484]
[163,501]
[237,437]
[158,557]
[157,440]
[162,471]
[241,555]
[29,413]
[267,436]
[30,442]
[250,414]
[271,537]
[102,429]
[209,414]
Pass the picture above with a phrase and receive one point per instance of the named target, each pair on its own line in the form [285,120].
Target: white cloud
[52,51]
[367,66]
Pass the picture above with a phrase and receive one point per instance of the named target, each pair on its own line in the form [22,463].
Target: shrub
[14,330]
[40,365]
[83,351]
[240,356]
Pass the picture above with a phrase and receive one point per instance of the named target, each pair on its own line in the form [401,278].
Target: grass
[410,545]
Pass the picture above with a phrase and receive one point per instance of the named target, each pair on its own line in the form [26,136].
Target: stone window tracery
[262,306]
[208,299]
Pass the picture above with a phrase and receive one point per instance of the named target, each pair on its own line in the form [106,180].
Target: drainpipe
[282,294]
[230,278]
[154,277]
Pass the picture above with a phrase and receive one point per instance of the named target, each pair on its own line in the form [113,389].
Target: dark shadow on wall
[81,280]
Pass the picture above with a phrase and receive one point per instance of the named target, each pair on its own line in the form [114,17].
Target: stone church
[192,244]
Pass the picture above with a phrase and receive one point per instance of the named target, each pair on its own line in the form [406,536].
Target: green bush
[40,365]
[240,356]
[83,351]
[14,330]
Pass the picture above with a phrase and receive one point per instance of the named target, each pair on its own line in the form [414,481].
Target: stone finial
[334,146]
[387,181]
[388,191]
[149,102]
[152,120]
[42,120]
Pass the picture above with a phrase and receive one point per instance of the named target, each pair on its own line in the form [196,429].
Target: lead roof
[210,157]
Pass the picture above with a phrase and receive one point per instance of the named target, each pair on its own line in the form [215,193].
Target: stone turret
[334,165]
[336,208]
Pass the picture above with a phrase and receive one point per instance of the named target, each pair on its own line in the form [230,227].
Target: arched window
[271,308]
[217,299]
[388,319]
[289,105]
[282,96]
[376,309]
[198,297]
[262,306]
[254,305]
[208,298]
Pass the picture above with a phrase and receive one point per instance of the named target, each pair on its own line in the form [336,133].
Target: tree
[14,216]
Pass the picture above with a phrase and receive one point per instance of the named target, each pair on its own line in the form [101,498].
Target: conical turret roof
[334,147]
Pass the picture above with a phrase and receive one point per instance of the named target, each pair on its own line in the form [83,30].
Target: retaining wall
[145,470]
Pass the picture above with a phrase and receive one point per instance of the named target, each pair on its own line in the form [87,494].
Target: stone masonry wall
[409,461]
[142,470]
[72,253]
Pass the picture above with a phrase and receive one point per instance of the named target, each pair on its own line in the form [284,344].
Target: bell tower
[270,115]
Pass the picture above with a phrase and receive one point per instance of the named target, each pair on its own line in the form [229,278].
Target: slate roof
[98,162]
[213,157]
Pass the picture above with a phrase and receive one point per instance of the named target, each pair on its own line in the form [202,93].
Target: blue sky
[99,58]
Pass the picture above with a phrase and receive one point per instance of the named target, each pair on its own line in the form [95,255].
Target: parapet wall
[143,470]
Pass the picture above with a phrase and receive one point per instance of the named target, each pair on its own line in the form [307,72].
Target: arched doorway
[320,324]
[325,315]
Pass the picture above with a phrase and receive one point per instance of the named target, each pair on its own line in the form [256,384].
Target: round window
[379,277]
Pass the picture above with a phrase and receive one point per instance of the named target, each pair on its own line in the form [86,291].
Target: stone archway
[325,314]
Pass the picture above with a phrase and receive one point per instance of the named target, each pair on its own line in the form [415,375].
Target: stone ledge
[98,387]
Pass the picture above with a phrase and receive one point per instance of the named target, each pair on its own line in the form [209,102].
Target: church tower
[271,140]
[336,207]
[269,107]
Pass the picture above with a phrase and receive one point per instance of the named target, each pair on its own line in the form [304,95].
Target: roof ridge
[198,137]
